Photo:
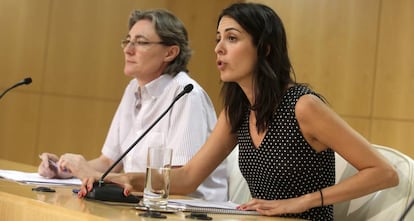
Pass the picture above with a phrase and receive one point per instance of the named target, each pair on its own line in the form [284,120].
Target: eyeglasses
[139,43]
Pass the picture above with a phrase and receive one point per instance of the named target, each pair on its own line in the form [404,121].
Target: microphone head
[188,88]
[27,80]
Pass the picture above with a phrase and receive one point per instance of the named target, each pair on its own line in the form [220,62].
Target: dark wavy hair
[171,31]
[272,72]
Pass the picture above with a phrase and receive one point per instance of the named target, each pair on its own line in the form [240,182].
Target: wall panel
[23,26]
[19,118]
[332,45]
[396,134]
[74,124]
[394,98]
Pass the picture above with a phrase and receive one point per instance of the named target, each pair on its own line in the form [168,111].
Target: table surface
[19,202]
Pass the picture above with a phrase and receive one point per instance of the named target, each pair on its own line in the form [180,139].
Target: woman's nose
[219,48]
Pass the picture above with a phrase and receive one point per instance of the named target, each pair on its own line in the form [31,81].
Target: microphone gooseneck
[111,192]
[25,81]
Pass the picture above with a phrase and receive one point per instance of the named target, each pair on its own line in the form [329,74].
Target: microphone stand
[112,192]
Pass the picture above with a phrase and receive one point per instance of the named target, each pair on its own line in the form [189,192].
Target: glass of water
[157,181]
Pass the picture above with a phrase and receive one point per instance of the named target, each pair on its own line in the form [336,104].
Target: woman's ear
[172,53]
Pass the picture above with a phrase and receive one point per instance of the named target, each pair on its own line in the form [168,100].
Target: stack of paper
[197,205]
[35,178]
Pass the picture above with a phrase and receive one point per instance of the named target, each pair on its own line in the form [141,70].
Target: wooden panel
[84,53]
[74,125]
[395,70]
[19,116]
[23,27]
[332,46]
[396,134]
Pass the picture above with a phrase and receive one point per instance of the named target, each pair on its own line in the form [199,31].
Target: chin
[129,73]
[225,78]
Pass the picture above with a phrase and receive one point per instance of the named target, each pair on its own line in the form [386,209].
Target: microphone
[25,81]
[112,192]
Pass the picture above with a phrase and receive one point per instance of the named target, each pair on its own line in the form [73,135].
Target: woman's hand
[130,182]
[275,207]
[77,165]
[49,167]
[87,185]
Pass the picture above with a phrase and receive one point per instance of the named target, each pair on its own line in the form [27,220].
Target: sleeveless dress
[285,165]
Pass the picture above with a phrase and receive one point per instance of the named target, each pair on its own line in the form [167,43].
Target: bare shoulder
[310,105]
[317,122]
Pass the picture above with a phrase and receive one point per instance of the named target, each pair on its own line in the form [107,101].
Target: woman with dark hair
[286,134]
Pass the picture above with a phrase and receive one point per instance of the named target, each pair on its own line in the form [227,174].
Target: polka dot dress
[285,165]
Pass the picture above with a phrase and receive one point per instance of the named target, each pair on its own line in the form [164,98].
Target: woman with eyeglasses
[156,53]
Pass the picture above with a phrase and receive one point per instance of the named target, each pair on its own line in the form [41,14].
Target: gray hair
[171,31]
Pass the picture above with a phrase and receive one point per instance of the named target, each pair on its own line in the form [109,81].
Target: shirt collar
[154,88]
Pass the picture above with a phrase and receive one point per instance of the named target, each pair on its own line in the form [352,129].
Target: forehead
[227,23]
[143,28]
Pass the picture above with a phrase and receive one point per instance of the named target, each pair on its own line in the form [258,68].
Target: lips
[220,64]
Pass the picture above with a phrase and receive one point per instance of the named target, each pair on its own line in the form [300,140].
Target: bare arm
[323,128]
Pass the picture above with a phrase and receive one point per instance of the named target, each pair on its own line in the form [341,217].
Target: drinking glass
[157,181]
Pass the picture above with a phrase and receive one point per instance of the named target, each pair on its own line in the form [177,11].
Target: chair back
[388,204]
[238,189]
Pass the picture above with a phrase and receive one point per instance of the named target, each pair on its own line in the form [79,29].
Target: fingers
[74,164]
[45,170]
[63,166]
[46,167]
[48,156]
[126,192]
[274,207]
[251,205]
[87,185]
[127,189]
[257,204]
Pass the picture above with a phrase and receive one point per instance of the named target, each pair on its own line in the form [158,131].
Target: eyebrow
[137,36]
[230,29]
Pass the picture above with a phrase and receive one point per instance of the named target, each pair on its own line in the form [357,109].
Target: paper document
[198,205]
[203,203]
[35,178]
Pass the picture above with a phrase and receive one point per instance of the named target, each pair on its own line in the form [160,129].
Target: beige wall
[358,54]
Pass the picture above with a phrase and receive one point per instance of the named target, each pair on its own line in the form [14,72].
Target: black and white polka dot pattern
[285,165]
